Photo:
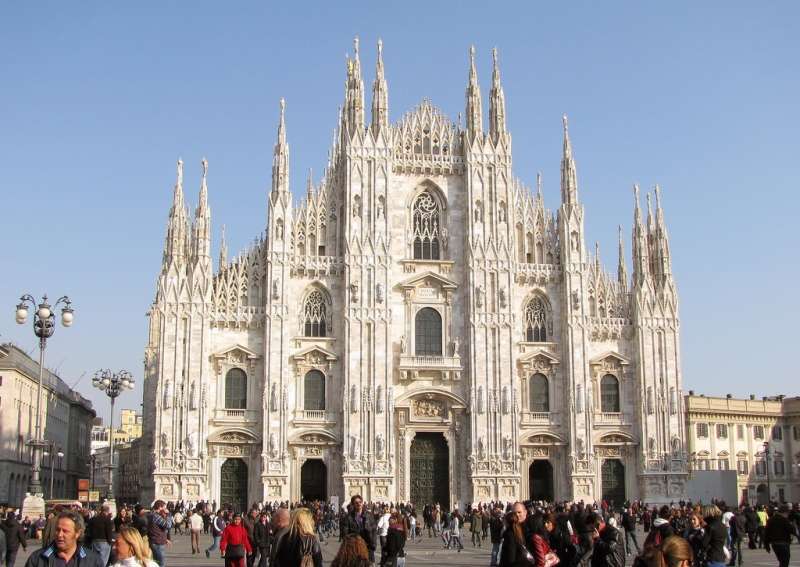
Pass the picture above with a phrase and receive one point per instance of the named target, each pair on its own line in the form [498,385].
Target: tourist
[49,533]
[396,537]
[195,527]
[100,533]
[715,537]
[695,534]
[609,548]
[158,526]
[280,527]
[15,537]
[542,527]
[455,531]
[235,544]
[496,534]
[674,551]
[299,543]
[352,553]
[360,522]
[217,527]
[778,535]
[65,549]
[261,539]
[382,528]
[514,551]
[249,522]
[130,549]
[140,521]
[476,527]
[629,526]
[177,522]
[737,532]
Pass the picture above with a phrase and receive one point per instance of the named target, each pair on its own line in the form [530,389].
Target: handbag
[234,551]
[551,559]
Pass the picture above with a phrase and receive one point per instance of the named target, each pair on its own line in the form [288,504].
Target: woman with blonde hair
[672,552]
[131,551]
[300,546]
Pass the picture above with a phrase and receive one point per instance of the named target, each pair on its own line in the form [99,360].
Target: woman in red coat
[540,545]
[235,545]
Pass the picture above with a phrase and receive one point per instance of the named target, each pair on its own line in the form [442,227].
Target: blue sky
[99,99]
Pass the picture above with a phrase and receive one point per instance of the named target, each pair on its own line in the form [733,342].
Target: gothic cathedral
[418,328]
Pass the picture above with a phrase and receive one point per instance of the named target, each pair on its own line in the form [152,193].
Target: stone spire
[310,185]
[663,261]
[473,111]
[280,157]
[597,265]
[201,241]
[497,103]
[569,176]
[380,96]
[223,251]
[177,226]
[622,270]
[641,267]
[539,193]
[354,95]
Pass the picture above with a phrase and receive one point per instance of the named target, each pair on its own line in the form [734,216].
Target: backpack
[308,547]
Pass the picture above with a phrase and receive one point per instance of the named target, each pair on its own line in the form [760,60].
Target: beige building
[130,421]
[758,438]
[67,419]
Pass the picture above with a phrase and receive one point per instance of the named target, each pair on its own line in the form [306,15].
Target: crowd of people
[532,534]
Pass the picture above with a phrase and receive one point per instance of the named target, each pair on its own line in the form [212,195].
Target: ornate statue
[273,445]
[481,449]
[190,444]
[403,345]
[193,396]
[380,446]
[502,297]
[580,448]
[507,447]
[506,404]
[167,395]
[353,399]
[354,447]
[164,444]
[275,294]
[354,292]
[456,345]
[481,400]
[479,296]
[273,397]
[379,293]
[379,399]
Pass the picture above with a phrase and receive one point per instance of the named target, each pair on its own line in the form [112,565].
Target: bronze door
[540,480]
[430,475]
[613,478]
[314,480]
[233,485]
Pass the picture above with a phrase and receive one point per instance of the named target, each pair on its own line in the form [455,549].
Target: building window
[777,433]
[761,467]
[702,430]
[758,432]
[723,465]
[796,432]
[426,220]
[740,431]
[536,321]
[236,389]
[428,333]
[742,466]
[540,393]
[609,394]
[314,315]
[314,391]
[722,431]
[779,468]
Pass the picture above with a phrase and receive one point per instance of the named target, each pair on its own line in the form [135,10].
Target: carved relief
[429,408]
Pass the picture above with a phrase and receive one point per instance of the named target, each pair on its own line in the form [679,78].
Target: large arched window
[315,315]
[535,321]
[236,389]
[314,391]
[426,227]
[540,393]
[609,394]
[428,333]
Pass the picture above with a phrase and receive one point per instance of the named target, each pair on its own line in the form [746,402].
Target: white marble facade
[435,294]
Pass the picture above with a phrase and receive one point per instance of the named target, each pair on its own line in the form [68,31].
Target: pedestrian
[382,529]
[300,546]
[715,537]
[249,523]
[195,526]
[514,551]
[542,527]
[65,549]
[217,527]
[280,527]
[235,544]
[159,523]
[2,548]
[360,522]
[130,549]
[396,537]
[609,549]
[476,527]
[15,537]
[100,533]
[352,553]
[177,521]
[629,526]
[261,539]
[737,531]
[778,535]
[496,534]
[674,551]
[455,531]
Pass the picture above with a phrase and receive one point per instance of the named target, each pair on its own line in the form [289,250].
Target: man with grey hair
[65,550]
[100,533]
[280,527]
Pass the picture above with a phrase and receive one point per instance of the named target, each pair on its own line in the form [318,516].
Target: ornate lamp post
[766,462]
[53,452]
[44,326]
[112,384]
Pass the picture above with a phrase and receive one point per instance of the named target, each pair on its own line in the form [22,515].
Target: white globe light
[67,318]
[44,312]
[106,381]
[22,315]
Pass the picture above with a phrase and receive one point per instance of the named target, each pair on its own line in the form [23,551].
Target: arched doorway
[430,470]
[762,494]
[233,485]
[613,482]
[540,480]
[314,480]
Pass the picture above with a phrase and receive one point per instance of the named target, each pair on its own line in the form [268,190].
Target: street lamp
[112,384]
[766,461]
[92,459]
[54,451]
[43,327]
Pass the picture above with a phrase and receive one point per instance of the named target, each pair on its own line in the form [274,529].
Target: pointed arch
[427,222]
[536,319]
[315,312]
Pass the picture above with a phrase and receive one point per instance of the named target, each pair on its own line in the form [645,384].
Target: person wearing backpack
[300,546]
[218,525]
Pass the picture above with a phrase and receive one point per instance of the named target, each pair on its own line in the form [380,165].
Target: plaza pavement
[425,551]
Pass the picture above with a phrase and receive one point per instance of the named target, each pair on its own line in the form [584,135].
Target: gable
[430,279]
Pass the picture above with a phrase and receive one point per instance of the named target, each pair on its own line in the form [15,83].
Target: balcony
[429,367]
[235,415]
[314,417]
[609,418]
[538,417]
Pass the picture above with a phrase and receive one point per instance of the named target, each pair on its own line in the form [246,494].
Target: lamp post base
[33,506]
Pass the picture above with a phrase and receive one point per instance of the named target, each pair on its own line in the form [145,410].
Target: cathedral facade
[417,328]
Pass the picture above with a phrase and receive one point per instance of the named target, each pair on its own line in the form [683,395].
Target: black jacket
[46,557]
[496,529]
[513,553]
[100,528]
[779,530]
[714,540]
[609,549]
[261,535]
[367,531]
[15,535]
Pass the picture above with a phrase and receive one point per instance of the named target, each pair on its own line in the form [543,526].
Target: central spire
[380,96]
[473,95]
[569,176]
[497,103]
[280,157]
[354,95]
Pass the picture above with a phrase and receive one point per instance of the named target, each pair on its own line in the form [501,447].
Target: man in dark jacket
[261,539]
[159,523]
[609,549]
[629,525]
[100,533]
[15,537]
[751,526]
[140,520]
[65,550]
[496,534]
[361,522]
[778,535]
[715,538]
